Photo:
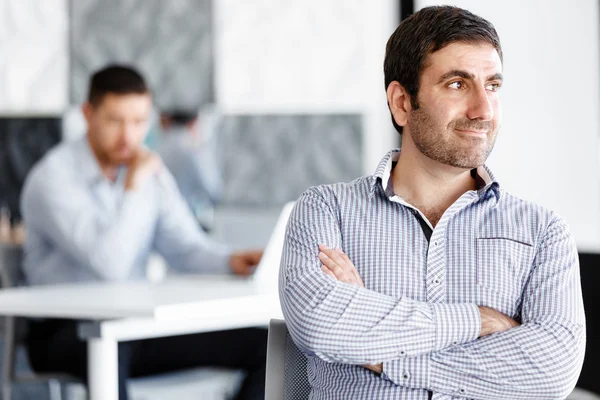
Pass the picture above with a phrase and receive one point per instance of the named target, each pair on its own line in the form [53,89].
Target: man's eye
[456,85]
[493,87]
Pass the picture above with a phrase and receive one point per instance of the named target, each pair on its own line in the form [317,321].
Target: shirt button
[437,281]
[405,376]
[462,391]
[402,353]
[455,343]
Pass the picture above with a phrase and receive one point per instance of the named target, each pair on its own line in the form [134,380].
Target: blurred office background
[294,92]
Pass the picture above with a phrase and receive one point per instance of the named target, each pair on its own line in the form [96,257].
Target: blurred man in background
[94,208]
[190,153]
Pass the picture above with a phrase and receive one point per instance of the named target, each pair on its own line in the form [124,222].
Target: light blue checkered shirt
[418,314]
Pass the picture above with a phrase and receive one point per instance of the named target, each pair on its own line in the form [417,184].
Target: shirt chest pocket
[503,266]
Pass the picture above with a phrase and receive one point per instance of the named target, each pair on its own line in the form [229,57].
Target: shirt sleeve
[179,238]
[344,323]
[63,212]
[207,172]
[541,359]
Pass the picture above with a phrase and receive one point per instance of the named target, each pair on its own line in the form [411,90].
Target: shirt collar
[88,164]
[483,176]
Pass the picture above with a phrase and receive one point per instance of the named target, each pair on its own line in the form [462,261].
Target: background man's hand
[244,263]
[493,321]
[142,166]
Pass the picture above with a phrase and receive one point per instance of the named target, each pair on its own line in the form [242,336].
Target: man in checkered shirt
[427,280]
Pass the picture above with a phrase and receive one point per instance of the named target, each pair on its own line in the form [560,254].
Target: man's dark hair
[180,117]
[117,79]
[425,32]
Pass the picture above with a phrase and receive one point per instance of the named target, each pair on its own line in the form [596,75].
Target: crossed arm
[337,265]
[338,320]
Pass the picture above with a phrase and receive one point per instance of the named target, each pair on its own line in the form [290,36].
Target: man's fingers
[256,256]
[335,256]
[340,264]
[327,261]
[328,272]
[343,262]
[338,271]
[345,257]
[349,266]
[357,277]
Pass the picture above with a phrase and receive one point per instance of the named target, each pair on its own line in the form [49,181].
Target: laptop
[267,271]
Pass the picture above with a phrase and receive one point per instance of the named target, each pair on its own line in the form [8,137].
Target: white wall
[381,18]
[306,57]
[548,148]
[33,57]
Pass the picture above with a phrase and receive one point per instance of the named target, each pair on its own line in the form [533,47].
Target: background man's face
[459,110]
[118,125]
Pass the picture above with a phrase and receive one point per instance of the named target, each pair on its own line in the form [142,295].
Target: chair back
[287,376]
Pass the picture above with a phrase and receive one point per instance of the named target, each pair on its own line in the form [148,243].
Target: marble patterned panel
[275,53]
[271,159]
[33,56]
[169,41]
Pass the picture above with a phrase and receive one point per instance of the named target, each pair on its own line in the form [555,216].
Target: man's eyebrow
[455,72]
[466,75]
[495,77]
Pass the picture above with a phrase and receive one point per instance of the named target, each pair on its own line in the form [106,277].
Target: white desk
[127,311]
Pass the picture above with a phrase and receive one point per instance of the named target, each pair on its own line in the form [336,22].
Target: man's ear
[398,102]
[87,109]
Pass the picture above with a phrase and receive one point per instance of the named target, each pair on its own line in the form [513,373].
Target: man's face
[459,110]
[118,125]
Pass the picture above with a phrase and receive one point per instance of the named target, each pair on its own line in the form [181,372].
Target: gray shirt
[81,226]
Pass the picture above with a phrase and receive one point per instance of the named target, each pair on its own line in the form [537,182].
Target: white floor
[203,383]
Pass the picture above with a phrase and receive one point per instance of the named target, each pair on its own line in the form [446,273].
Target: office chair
[14,332]
[287,377]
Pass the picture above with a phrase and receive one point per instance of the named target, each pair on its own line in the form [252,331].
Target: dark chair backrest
[11,271]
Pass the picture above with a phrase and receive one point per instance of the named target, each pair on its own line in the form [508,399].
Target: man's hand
[377,368]
[493,321]
[337,265]
[142,166]
[244,263]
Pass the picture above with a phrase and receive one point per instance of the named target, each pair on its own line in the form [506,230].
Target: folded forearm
[343,323]
[533,361]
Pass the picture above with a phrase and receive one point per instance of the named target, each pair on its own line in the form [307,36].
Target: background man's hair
[117,79]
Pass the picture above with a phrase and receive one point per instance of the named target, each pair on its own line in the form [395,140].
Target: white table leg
[103,369]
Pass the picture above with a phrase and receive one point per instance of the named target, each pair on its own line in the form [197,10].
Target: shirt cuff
[455,324]
[217,262]
[408,372]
